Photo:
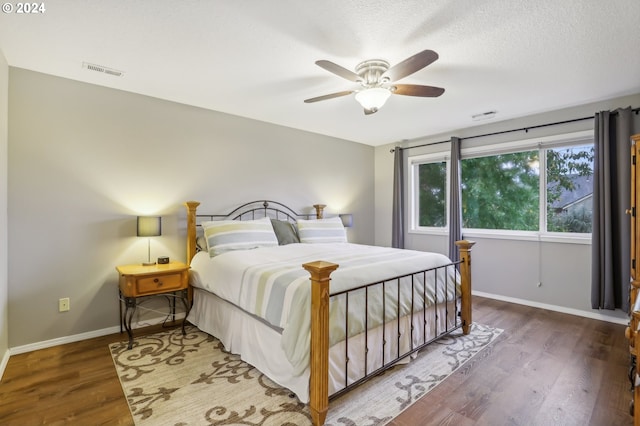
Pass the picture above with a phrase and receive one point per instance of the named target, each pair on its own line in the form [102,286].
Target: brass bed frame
[320,272]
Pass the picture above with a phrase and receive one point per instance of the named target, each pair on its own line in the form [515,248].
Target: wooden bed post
[319,356]
[191,229]
[319,210]
[465,286]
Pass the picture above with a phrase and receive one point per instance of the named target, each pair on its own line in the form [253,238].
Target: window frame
[414,204]
[538,143]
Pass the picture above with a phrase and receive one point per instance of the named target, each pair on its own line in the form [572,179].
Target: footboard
[455,311]
[319,369]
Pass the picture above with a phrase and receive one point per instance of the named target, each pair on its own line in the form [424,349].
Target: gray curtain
[455,201]
[610,266]
[397,233]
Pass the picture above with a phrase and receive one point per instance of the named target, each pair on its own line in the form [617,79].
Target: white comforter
[271,284]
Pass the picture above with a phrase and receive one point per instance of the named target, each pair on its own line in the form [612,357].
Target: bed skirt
[241,333]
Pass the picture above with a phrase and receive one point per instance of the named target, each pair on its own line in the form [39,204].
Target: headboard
[248,211]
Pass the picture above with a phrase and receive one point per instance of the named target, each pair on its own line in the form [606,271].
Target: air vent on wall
[100,68]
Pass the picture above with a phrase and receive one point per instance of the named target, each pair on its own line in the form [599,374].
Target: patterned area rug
[171,379]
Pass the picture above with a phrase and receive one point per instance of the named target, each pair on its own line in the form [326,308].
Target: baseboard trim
[84,336]
[598,315]
[622,319]
[4,362]
[63,340]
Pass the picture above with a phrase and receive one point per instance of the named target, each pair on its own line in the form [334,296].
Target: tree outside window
[432,194]
[570,189]
[503,191]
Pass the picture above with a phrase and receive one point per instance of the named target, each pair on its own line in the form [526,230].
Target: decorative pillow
[227,235]
[285,232]
[328,230]
[201,243]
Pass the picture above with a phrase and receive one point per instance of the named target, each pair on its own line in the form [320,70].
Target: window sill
[529,236]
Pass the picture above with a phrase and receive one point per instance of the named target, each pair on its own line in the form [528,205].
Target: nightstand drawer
[159,283]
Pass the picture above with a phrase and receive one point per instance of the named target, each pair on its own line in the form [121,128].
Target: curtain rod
[525,129]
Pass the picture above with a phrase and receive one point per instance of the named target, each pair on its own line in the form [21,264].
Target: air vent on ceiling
[100,68]
[483,116]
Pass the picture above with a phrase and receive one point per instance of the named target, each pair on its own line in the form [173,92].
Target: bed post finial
[319,208]
[319,356]
[464,246]
[191,229]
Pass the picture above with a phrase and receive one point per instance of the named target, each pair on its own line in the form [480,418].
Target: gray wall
[503,268]
[4,306]
[85,160]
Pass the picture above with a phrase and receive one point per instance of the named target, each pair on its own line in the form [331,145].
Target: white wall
[4,291]
[84,160]
[510,269]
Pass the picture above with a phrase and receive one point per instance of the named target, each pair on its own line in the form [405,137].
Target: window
[530,187]
[569,189]
[501,191]
[429,184]
[432,194]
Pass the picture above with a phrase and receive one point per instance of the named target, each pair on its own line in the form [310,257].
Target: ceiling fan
[377,79]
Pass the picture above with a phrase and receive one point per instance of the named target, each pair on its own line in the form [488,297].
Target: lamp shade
[149,226]
[373,98]
[347,220]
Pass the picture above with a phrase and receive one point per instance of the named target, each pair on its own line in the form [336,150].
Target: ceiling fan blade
[338,70]
[417,90]
[330,96]
[410,65]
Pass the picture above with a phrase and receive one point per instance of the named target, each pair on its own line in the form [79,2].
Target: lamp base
[148,263]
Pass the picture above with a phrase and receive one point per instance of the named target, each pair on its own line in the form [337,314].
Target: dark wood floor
[546,369]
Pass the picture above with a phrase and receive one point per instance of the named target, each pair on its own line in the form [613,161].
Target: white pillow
[227,235]
[328,230]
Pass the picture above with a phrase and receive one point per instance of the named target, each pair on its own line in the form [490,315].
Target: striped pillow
[227,235]
[328,230]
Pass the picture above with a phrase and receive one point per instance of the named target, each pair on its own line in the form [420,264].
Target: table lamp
[149,226]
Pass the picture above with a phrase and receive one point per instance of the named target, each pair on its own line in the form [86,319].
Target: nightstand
[138,281]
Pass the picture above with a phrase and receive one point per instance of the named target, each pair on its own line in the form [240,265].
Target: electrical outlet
[63,304]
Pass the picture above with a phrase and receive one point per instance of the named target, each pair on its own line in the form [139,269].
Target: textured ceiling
[255,58]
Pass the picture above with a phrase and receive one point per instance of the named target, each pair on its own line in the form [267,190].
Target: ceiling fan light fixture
[373,98]
[375,77]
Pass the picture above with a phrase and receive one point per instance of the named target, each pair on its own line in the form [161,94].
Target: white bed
[259,302]
[226,311]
